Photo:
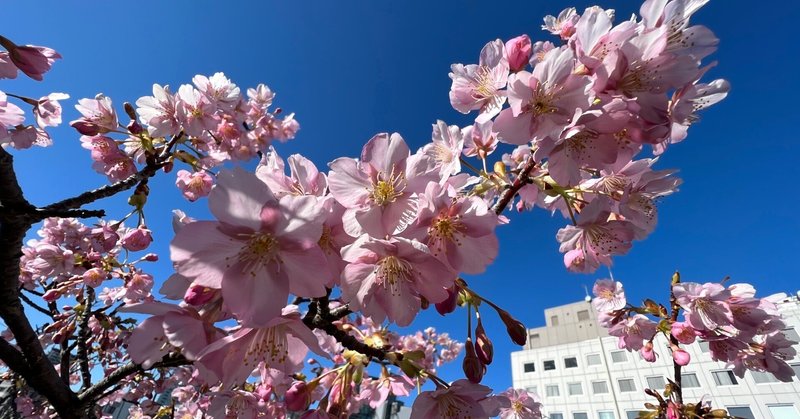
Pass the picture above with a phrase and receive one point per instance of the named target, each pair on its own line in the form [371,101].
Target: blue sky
[352,69]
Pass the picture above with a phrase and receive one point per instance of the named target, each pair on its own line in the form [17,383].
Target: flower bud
[449,304]
[198,295]
[137,239]
[518,51]
[472,367]
[151,257]
[134,127]
[51,295]
[680,356]
[298,396]
[129,110]
[647,352]
[516,330]
[483,346]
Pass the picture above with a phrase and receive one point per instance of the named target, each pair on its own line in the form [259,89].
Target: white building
[579,373]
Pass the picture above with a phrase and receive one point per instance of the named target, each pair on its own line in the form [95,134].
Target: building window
[632,414]
[556,416]
[626,385]
[549,365]
[741,412]
[599,387]
[532,389]
[583,315]
[791,334]
[552,390]
[593,359]
[571,362]
[763,377]
[529,367]
[605,415]
[656,383]
[783,411]
[574,389]
[724,378]
[703,346]
[534,338]
[689,380]
[619,356]
[554,320]
[580,415]
[796,368]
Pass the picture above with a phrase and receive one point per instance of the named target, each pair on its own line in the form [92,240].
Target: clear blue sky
[351,69]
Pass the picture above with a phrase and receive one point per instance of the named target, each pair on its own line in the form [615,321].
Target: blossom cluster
[584,110]
[741,330]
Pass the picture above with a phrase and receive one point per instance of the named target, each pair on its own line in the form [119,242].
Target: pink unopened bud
[449,304]
[135,128]
[647,352]
[298,396]
[673,411]
[516,330]
[94,277]
[483,345]
[473,369]
[198,295]
[518,51]
[137,239]
[51,295]
[32,60]
[151,257]
[680,356]
[683,332]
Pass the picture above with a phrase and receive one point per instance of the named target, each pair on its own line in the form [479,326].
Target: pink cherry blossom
[282,343]
[595,238]
[98,116]
[259,251]
[379,190]
[218,89]
[304,177]
[683,332]
[137,239]
[48,110]
[461,400]
[563,25]
[524,405]
[159,112]
[32,60]
[11,115]
[705,304]
[479,139]
[195,111]
[445,148]
[608,296]
[385,279]
[633,332]
[545,101]
[194,185]
[459,231]
[480,86]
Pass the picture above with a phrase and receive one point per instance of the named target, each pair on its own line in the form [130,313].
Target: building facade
[579,373]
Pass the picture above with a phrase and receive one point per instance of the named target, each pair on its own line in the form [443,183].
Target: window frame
[525,367]
[697,380]
[623,352]
[663,380]
[730,374]
[633,387]
[569,389]
[605,383]
[544,365]
[599,359]
[547,388]
[575,358]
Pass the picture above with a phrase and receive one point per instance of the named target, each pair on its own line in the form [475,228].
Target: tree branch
[508,195]
[91,394]
[83,338]
[323,319]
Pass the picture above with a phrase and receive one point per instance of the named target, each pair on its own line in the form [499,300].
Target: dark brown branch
[42,213]
[35,306]
[676,309]
[83,339]
[508,195]
[13,357]
[91,394]
[322,319]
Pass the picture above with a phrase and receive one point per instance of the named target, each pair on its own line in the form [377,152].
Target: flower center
[270,345]
[484,85]
[386,191]
[391,270]
[260,250]
[444,228]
